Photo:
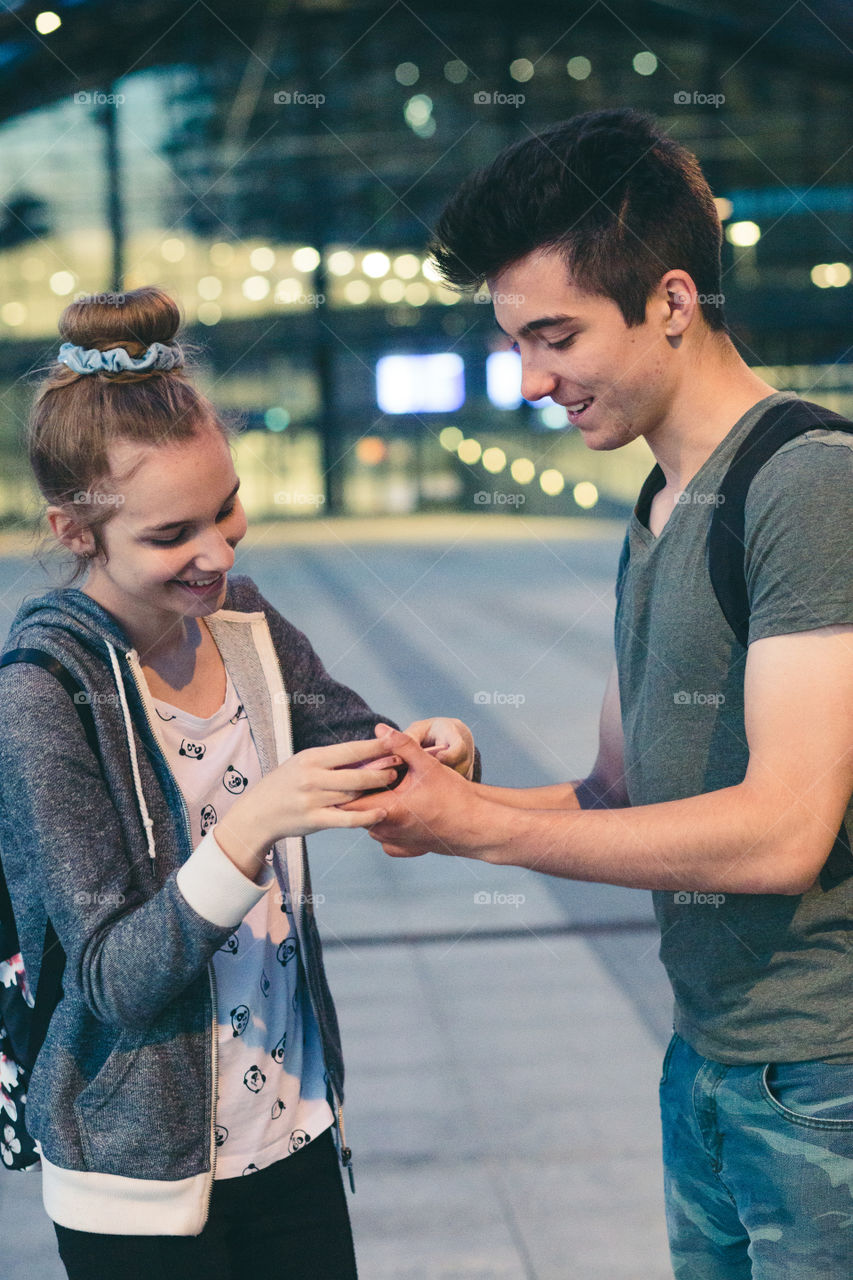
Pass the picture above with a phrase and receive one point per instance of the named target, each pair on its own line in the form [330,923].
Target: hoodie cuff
[215,888]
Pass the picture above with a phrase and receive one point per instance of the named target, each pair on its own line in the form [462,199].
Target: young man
[724,773]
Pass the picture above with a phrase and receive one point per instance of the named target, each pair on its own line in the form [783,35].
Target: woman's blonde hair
[77,416]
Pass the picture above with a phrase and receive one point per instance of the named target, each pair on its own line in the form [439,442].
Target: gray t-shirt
[756,977]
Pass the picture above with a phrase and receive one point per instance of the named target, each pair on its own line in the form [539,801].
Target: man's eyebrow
[173,524]
[544,322]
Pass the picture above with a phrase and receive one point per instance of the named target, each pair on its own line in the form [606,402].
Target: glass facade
[280,174]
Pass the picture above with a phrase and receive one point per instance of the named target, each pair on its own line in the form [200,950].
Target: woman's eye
[170,542]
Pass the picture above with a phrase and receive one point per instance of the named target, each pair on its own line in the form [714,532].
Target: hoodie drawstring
[147,820]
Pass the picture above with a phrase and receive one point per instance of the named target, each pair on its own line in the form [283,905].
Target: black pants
[289,1220]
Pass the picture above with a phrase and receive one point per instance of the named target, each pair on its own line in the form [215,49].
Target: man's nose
[536,382]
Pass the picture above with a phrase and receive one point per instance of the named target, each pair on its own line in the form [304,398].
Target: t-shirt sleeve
[798,537]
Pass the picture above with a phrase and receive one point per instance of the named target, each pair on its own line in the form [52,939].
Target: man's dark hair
[618,199]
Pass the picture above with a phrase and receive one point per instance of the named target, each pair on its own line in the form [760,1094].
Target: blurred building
[279,166]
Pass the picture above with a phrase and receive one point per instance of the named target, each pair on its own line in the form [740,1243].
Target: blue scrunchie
[118,359]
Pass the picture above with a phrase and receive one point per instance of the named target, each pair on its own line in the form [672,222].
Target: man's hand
[449,740]
[433,809]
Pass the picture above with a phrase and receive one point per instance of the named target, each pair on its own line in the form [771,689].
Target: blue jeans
[758,1168]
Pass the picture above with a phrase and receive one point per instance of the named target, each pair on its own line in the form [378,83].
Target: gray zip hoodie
[121,1098]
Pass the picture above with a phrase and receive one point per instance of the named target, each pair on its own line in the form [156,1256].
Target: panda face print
[285,951]
[277,1109]
[208,818]
[298,1139]
[254,1079]
[192,750]
[240,1019]
[250,1168]
[231,944]
[278,1051]
[239,714]
[234,781]
[264,983]
[162,717]
[221,1134]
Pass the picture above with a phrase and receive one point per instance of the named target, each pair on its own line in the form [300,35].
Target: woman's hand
[449,741]
[302,795]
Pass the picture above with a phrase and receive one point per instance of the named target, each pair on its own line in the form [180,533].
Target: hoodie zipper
[344,1151]
[132,656]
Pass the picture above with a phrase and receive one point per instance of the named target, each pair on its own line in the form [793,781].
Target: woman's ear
[68,530]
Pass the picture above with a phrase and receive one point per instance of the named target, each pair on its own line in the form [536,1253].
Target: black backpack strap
[53,957]
[781,422]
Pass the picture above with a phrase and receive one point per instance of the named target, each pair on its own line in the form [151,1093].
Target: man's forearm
[583,793]
[724,841]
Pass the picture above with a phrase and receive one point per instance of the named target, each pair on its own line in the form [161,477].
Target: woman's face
[178,519]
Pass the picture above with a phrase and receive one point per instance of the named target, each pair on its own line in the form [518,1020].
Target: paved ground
[503,1030]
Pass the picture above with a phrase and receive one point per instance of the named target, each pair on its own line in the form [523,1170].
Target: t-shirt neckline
[202,722]
[655,481]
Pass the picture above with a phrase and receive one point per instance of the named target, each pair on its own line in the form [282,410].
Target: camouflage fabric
[758,1168]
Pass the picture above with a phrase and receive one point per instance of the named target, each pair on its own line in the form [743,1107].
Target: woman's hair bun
[134,319]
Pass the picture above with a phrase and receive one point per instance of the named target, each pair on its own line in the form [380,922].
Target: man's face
[615,382]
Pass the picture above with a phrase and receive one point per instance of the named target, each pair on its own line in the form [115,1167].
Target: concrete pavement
[502,1030]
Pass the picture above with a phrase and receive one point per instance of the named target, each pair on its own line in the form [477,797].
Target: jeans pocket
[664,1075]
[816,1095]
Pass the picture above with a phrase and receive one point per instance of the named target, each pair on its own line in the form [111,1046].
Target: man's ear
[678,291]
[68,530]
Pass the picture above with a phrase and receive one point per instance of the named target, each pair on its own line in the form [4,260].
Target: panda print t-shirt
[272,1091]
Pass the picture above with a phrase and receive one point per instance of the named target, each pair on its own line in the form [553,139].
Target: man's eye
[564,342]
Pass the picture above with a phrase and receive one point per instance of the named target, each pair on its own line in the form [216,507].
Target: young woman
[191,1078]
